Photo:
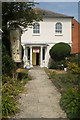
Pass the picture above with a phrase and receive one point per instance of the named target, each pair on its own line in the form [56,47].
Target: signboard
[15,45]
[35,50]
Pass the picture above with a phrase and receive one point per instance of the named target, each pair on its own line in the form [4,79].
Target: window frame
[72,25]
[36,30]
[58,28]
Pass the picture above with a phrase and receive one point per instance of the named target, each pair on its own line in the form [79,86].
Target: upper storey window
[58,28]
[72,25]
[36,28]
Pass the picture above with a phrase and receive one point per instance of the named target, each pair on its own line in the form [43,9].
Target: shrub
[59,51]
[69,79]
[8,64]
[74,68]
[70,102]
[75,59]
[22,76]
[54,64]
[79,60]
[9,88]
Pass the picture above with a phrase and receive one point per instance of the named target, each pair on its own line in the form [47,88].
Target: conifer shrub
[59,51]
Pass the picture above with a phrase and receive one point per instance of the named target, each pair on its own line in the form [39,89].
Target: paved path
[42,99]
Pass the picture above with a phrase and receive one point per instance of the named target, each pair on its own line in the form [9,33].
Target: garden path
[42,99]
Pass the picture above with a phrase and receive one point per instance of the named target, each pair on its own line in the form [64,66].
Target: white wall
[47,32]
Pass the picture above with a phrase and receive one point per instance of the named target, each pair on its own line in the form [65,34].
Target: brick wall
[75,37]
[79,39]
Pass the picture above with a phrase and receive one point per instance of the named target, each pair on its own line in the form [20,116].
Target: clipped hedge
[59,51]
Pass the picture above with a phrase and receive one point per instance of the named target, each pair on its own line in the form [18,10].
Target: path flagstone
[42,99]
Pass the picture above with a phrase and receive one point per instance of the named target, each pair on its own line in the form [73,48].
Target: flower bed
[68,85]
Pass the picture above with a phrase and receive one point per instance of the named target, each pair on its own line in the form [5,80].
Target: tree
[59,51]
[17,14]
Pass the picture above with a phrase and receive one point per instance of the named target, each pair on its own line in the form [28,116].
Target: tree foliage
[21,13]
[59,51]
[14,14]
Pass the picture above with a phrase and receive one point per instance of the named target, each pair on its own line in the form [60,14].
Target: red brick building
[75,37]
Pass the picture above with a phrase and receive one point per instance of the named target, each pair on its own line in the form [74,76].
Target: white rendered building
[39,39]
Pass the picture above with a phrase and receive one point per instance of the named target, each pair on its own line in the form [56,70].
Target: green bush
[59,51]
[74,68]
[22,76]
[10,89]
[8,65]
[75,59]
[70,102]
[79,60]
[69,79]
[55,64]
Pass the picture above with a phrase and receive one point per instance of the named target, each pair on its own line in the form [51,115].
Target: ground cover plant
[68,85]
[10,92]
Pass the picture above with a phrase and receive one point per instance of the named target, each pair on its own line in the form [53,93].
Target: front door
[34,59]
[36,56]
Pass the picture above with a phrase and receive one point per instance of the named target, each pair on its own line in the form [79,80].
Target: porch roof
[35,44]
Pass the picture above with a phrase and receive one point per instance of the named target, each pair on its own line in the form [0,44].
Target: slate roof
[50,14]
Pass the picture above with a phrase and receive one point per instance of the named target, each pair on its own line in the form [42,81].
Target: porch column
[41,55]
[45,55]
[26,54]
[31,56]
[24,58]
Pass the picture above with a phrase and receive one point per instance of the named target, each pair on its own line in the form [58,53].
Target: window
[58,28]
[36,28]
[72,25]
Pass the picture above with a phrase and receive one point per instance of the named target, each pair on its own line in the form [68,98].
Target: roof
[50,14]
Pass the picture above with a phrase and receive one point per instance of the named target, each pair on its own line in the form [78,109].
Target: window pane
[58,28]
[36,28]
[38,31]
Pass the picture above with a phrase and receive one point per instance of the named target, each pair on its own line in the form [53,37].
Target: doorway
[37,58]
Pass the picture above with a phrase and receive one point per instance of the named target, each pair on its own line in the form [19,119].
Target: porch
[35,55]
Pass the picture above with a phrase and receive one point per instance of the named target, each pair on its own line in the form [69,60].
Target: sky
[67,8]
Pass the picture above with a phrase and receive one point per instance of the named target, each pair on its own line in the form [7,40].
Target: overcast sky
[67,8]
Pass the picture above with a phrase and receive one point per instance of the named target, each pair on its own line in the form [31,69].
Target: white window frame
[58,28]
[36,30]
